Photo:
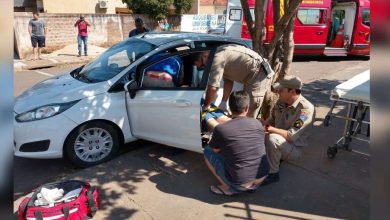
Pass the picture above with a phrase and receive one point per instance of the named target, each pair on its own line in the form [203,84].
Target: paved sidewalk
[66,55]
[160,182]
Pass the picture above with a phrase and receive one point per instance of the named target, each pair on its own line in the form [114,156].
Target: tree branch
[259,25]
[248,17]
[288,45]
[282,25]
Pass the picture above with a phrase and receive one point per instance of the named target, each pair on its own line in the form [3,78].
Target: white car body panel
[58,89]
[105,106]
[234,18]
[55,129]
[95,103]
[170,117]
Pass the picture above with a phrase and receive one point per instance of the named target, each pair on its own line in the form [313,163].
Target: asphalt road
[318,73]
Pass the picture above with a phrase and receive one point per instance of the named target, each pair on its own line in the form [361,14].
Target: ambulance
[322,27]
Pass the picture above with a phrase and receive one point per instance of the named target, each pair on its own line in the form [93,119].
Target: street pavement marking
[53,60]
[43,73]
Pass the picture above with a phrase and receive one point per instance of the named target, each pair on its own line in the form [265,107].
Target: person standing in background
[139,28]
[82,37]
[164,25]
[37,31]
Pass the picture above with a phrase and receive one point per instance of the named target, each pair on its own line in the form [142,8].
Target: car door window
[119,60]
[312,16]
[114,60]
[366,17]
[235,14]
[172,71]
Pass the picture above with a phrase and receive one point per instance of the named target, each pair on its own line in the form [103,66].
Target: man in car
[236,153]
[287,126]
[236,63]
[165,73]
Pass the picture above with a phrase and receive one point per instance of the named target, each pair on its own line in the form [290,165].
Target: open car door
[169,115]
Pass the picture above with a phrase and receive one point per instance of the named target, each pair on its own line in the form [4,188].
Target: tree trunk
[259,25]
[288,46]
[255,28]
[280,51]
[248,17]
[282,25]
[276,11]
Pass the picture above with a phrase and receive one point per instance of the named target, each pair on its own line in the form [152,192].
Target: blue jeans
[217,162]
[80,40]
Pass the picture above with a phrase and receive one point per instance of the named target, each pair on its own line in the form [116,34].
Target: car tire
[91,144]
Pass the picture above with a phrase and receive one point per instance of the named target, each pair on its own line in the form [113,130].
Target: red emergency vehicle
[322,27]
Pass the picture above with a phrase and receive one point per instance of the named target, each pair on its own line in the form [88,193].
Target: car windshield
[114,60]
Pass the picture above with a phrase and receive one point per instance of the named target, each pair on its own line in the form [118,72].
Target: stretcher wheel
[327,121]
[331,152]
[345,145]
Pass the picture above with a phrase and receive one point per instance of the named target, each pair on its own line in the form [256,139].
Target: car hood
[58,89]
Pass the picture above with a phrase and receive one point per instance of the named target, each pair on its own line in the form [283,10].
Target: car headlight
[43,112]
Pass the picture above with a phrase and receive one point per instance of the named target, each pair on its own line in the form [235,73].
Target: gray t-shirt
[37,27]
[242,145]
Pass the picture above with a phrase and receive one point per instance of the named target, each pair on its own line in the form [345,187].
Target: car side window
[165,73]
[366,17]
[312,16]
[173,71]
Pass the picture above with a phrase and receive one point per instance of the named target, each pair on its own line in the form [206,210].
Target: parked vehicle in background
[219,30]
[322,27]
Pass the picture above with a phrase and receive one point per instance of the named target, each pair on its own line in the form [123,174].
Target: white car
[87,114]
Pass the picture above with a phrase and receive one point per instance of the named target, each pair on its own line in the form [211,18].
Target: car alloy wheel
[92,143]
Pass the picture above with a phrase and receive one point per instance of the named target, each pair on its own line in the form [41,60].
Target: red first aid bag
[75,208]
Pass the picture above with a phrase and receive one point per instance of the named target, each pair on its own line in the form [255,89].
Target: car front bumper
[47,135]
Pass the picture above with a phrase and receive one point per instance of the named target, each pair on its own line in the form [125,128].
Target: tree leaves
[158,9]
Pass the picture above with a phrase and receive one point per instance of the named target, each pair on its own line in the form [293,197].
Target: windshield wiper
[82,76]
[76,71]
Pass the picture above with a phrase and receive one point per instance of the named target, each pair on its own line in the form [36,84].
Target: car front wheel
[91,144]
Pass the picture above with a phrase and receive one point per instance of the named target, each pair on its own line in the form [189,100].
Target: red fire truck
[322,27]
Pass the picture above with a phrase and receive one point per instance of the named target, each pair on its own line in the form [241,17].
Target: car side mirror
[132,87]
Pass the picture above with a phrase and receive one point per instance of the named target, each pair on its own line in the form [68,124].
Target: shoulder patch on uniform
[298,123]
[304,115]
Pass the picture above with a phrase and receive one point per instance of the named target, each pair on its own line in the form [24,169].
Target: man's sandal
[218,191]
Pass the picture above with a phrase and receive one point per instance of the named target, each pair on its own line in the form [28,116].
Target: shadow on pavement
[318,91]
[67,54]
[31,170]
[164,182]
[314,185]
[57,169]
[299,191]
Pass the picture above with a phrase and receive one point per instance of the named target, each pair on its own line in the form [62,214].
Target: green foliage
[158,9]
[182,6]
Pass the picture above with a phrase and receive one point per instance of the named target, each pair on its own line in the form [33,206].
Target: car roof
[160,38]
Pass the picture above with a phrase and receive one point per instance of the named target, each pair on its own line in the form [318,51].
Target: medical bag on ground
[66,200]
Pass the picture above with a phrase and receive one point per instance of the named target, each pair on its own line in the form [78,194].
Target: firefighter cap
[289,81]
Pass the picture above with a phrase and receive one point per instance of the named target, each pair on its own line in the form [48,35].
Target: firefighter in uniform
[287,126]
[235,63]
